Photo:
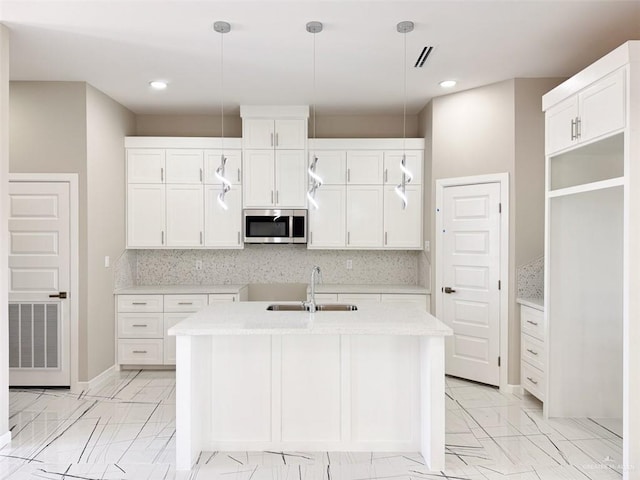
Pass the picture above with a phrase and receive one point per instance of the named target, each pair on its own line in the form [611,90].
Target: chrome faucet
[315,275]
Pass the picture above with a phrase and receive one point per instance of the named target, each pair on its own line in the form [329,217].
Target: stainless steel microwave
[275,226]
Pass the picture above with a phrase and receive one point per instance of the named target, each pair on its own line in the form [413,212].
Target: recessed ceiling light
[448,83]
[158,84]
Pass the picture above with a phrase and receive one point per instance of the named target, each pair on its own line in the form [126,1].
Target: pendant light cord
[314,88]
[222,89]
[404,100]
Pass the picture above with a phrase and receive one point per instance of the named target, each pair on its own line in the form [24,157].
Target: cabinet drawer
[532,322]
[144,351]
[140,325]
[222,298]
[533,351]
[139,303]
[184,303]
[533,380]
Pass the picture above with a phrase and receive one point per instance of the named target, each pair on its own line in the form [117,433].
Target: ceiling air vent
[426,51]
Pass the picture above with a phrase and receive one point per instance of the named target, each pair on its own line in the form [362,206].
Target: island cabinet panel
[241,377]
[311,388]
[384,383]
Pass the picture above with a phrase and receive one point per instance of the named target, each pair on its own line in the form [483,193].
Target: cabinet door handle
[200,174]
[272,139]
[238,175]
[532,323]
[138,303]
[161,174]
[348,174]
[162,237]
[385,238]
[139,325]
[139,351]
[348,238]
[200,238]
[532,352]
[578,128]
[532,380]
[277,140]
[271,196]
[386,175]
[277,196]
[238,238]
[185,303]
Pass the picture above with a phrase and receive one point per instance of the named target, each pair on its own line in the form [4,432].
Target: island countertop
[252,318]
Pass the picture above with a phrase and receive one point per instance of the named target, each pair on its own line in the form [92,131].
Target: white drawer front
[222,298]
[139,303]
[533,380]
[184,303]
[140,325]
[143,351]
[533,351]
[532,322]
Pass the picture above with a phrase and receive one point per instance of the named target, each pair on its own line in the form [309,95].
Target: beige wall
[188,125]
[4,253]
[425,130]
[108,123]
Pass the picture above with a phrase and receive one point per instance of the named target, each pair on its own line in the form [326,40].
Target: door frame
[503,180]
[74,258]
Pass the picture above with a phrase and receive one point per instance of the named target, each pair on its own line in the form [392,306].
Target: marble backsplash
[271,264]
[124,270]
[530,278]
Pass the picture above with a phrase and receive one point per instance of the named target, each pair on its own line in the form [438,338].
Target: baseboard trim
[97,380]
[514,389]
[5,438]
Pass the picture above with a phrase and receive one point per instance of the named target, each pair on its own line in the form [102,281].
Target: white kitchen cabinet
[413,162]
[145,165]
[595,111]
[364,216]
[532,351]
[184,165]
[403,226]
[289,134]
[331,166]
[223,228]
[327,223]
[365,167]
[146,220]
[274,179]
[226,297]
[232,168]
[185,216]
[176,309]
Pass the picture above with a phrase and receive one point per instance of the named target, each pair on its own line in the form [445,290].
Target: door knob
[59,295]
[448,290]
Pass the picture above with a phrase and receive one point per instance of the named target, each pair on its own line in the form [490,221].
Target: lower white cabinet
[532,351]
[143,321]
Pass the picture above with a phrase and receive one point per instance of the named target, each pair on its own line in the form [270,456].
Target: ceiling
[119,46]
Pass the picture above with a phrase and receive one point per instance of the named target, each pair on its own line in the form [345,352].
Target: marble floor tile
[125,429]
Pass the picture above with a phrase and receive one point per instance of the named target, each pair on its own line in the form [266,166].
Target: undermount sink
[299,307]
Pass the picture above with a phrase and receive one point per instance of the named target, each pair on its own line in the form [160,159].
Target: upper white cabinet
[365,167]
[364,216]
[274,141]
[402,226]
[392,166]
[595,111]
[172,193]
[330,166]
[327,225]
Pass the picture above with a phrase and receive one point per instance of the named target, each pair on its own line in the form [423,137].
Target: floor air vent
[34,335]
[426,51]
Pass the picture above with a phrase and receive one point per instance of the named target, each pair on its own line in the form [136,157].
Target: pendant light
[406,175]
[314,179]
[222,28]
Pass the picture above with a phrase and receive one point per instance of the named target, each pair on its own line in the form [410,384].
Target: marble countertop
[376,288]
[537,303]
[177,289]
[252,318]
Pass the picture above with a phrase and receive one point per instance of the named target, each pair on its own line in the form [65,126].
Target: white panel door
[331,166]
[291,179]
[327,223]
[291,134]
[145,165]
[222,228]
[184,165]
[39,271]
[392,162]
[364,167]
[403,226]
[364,217]
[471,268]
[232,168]
[185,216]
[146,215]
[259,178]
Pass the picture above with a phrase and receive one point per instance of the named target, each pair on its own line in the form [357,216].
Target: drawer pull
[532,323]
[532,352]
[138,303]
[532,380]
[185,303]
[139,351]
[139,325]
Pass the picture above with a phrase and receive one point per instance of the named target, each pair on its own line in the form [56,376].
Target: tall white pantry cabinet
[592,246]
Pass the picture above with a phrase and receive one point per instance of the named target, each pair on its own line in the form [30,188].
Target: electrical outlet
[427,246]
[198,264]
[107,261]
[349,264]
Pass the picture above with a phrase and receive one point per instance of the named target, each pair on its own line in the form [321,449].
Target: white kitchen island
[365,380]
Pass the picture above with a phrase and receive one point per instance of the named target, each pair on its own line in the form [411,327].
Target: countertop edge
[178,289]
[537,303]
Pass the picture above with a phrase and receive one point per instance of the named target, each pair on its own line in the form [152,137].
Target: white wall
[4,252]
[108,123]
